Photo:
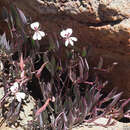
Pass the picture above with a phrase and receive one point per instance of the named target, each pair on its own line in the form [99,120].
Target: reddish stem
[43,107]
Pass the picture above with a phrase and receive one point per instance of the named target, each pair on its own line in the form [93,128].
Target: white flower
[66,35]
[18,95]
[38,34]
[14,88]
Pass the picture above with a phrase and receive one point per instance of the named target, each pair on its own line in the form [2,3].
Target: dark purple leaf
[81,69]
[115,100]
[125,103]
[100,64]
[72,75]
[22,16]
[86,64]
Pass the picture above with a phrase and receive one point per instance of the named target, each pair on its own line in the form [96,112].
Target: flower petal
[14,88]
[34,25]
[20,96]
[69,31]
[39,37]
[71,42]
[67,42]
[74,38]
[41,33]
[16,85]
[36,36]
[63,34]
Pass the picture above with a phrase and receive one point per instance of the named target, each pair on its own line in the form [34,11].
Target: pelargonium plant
[65,95]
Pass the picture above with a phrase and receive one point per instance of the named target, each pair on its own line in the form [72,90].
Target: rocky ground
[117,126]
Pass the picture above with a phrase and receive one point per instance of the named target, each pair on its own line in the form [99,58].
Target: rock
[25,115]
[103,24]
[103,121]
[28,111]
[89,126]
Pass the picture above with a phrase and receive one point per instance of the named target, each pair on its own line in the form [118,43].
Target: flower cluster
[18,95]
[66,34]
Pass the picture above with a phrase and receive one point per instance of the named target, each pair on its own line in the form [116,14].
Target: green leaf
[69,54]
[84,53]
[33,42]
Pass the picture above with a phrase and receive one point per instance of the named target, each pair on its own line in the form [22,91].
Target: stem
[43,107]
[3,98]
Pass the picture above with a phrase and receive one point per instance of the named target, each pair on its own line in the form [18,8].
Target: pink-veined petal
[41,33]
[67,42]
[39,37]
[36,36]
[71,42]
[63,34]
[69,31]
[74,39]
[34,25]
